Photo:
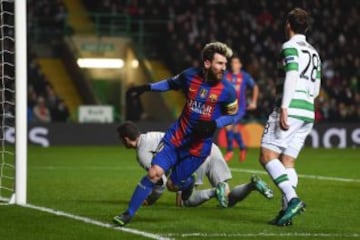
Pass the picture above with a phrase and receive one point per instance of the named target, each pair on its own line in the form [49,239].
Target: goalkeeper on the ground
[214,167]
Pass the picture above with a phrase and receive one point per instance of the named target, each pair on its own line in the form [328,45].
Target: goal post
[21,103]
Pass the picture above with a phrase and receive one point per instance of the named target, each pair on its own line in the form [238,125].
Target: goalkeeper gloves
[138,90]
[205,128]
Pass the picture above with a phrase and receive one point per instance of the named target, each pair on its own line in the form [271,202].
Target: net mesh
[7,99]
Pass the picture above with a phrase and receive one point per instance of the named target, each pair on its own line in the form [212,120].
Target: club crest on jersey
[213,97]
[203,92]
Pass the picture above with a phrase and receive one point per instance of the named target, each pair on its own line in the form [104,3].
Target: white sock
[278,173]
[293,177]
[284,202]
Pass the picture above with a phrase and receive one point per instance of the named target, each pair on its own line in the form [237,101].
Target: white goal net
[7,99]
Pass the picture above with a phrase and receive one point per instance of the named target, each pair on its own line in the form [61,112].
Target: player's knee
[289,162]
[267,155]
[155,173]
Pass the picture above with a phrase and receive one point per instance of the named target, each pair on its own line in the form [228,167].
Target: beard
[213,78]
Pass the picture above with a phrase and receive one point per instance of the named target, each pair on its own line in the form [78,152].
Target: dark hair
[299,20]
[128,129]
[210,49]
[235,56]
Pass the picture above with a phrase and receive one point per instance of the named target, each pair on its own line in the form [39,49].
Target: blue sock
[239,140]
[142,191]
[230,139]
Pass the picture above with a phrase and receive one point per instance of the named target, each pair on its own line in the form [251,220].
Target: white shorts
[287,142]
[214,167]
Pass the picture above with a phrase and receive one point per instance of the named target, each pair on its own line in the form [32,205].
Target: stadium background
[83,173]
[157,39]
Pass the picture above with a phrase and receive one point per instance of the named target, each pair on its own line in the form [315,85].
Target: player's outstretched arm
[138,90]
[173,83]
[160,86]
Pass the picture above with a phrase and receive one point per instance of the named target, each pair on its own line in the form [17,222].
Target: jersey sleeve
[231,104]
[249,80]
[290,61]
[144,157]
[174,83]
[230,108]
[177,82]
[147,148]
[289,57]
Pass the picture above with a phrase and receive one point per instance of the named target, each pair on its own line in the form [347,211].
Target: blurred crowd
[254,29]
[46,19]
[44,105]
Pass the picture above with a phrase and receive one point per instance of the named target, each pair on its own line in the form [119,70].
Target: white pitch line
[95,222]
[106,168]
[248,235]
[338,179]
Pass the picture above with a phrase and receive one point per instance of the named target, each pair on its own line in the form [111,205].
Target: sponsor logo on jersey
[200,108]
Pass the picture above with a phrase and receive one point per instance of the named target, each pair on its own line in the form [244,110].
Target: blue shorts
[181,164]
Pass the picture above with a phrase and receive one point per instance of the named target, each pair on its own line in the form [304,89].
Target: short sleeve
[290,58]
[249,80]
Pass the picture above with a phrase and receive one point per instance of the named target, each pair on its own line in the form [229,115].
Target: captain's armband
[232,108]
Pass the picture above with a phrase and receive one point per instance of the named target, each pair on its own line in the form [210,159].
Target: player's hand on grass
[283,119]
[138,90]
[205,128]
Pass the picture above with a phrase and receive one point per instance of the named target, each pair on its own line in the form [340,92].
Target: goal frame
[21,102]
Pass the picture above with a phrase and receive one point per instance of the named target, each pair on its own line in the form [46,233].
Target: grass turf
[97,182]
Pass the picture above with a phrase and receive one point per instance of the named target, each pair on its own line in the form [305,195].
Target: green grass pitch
[97,183]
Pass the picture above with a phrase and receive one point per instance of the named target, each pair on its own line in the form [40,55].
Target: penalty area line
[336,179]
[96,222]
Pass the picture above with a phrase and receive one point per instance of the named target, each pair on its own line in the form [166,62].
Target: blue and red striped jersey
[240,81]
[203,102]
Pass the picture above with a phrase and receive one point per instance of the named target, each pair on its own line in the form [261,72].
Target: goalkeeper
[214,167]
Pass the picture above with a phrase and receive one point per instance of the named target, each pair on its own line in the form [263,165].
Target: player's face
[235,65]
[216,67]
[127,142]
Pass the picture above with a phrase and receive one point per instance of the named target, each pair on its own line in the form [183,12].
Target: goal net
[13,101]
[7,100]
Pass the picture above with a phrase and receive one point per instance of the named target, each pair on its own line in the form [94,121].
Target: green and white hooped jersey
[298,55]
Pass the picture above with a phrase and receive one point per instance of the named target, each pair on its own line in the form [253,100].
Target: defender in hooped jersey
[293,116]
[210,104]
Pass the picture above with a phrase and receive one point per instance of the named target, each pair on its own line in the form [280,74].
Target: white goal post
[21,102]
